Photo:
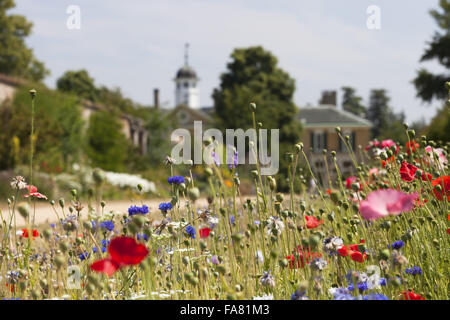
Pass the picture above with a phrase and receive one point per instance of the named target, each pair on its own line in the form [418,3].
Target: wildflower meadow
[382,234]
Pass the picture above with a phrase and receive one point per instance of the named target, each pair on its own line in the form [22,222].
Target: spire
[186,54]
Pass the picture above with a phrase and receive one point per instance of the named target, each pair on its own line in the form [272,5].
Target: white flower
[18,182]
[264,297]
[267,280]
[259,256]
[128,180]
[275,223]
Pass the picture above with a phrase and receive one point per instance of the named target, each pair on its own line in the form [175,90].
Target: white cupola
[186,90]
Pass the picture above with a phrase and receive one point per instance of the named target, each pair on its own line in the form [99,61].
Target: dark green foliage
[431,86]
[78,83]
[58,132]
[253,76]
[352,103]
[106,145]
[379,111]
[16,59]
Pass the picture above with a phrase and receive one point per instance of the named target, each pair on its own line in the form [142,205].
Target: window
[318,141]
[186,84]
[352,136]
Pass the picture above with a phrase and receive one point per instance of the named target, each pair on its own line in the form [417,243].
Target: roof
[196,114]
[11,81]
[330,116]
[186,72]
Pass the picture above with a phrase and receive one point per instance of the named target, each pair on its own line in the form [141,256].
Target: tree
[352,103]
[431,86]
[16,59]
[378,111]
[107,147]
[253,76]
[78,83]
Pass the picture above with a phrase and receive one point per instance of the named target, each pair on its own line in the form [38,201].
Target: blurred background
[115,78]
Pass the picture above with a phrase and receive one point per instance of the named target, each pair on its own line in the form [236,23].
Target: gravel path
[46,214]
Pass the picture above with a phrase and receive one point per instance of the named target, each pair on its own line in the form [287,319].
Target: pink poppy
[387,143]
[381,203]
[439,151]
[32,192]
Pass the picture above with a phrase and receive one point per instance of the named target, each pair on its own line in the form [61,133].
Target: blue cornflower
[232,219]
[360,285]
[341,294]
[84,255]
[414,271]
[165,206]
[176,180]
[190,230]
[108,225]
[382,281]
[375,296]
[397,244]
[52,225]
[137,210]
[299,296]
[105,243]
[142,236]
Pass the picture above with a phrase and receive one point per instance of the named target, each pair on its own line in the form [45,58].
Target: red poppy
[410,295]
[312,222]
[349,181]
[123,251]
[444,182]
[352,250]
[407,172]
[304,257]
[32,192]
[10,286]
[204,232]
[411,146]
[448,231]
[418,203]
[387,161]
[34,233]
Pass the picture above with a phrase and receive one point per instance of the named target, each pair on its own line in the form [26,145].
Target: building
[186,89]
[187,98]
[132,127]
[319,133]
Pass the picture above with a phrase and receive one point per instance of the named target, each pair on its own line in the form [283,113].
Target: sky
[138,45]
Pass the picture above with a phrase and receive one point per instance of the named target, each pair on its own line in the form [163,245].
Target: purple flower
[215,157]
[232,157]
[214,260]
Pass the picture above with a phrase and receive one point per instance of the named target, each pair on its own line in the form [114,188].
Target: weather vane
[186,54]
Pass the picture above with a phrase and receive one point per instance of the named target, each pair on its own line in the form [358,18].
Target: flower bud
[253,106]
[194,193]
[61,202]
[24,209]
